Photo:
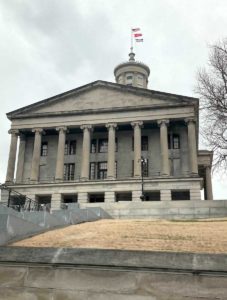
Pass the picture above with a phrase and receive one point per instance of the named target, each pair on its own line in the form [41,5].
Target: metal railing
[18,201]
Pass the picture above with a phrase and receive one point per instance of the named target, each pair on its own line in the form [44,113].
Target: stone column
[20,161]
[137,148]
[192,147]
[86,151]
[59,172]
[36,155]
[111,174]
[209,191]
[164,147]
[12,155]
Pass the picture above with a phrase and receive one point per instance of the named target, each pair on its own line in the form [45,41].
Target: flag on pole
[137,34]
[135,29]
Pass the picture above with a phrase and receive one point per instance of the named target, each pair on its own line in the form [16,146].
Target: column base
[33,181]
[84,178]
[8,182]
[58,180]
[111,177]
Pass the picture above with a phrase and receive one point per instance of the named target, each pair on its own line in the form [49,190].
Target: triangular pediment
[99,96]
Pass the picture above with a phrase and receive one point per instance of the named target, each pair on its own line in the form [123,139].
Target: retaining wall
[47,273]
[164,209]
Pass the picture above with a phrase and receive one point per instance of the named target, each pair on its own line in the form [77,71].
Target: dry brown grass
[189,236]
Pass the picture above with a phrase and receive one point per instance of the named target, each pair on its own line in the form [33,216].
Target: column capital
[111,125]
[189,120]
[137,123]
[61,128]
[86,126]
[14,131]
[37,130]
[163,122]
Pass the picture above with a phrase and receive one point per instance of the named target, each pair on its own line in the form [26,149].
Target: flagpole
[131,40]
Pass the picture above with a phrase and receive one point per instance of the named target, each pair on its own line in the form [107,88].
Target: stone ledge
[192,262]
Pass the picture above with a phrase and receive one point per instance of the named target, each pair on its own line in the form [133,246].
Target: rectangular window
[173,141]
[92,170]
[70,147]
[69,171]
[44,149]
[144,143]
[180,195]
[93,145]
[103,145]
[102,170]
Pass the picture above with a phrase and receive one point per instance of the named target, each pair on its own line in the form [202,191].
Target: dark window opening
[144,143]
[69,198]
[180,195]
[44,149]
[129,77]
[69,171]
[44,202]
[70,147]
[96,198]
[152,196]
[93,145]
[103,145]
[123,196]
[173,141]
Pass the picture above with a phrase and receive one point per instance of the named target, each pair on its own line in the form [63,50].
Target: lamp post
[143,164]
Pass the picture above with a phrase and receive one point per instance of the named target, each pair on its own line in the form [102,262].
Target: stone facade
[108,142]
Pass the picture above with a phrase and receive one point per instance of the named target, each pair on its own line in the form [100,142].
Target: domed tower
[133,73]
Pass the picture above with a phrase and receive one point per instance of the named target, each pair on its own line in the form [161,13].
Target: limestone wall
[110,274]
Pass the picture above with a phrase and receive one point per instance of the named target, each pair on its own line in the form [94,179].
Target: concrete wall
[165,209]
[110,274]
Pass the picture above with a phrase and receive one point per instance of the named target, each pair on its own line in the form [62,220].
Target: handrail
[29,204]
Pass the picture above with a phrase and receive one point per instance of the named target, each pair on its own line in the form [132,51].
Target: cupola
[132,73]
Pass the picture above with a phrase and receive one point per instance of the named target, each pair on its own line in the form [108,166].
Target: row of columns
[85,164]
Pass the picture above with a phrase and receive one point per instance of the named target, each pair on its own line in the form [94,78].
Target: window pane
[92,170]
[93,146]
[44,149]
[102,170]
[176,141]
[103,145]
[144,143]
[72,148]
[66,147]
[69,171]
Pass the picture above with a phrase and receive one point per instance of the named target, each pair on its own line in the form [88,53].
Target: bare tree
[212,89]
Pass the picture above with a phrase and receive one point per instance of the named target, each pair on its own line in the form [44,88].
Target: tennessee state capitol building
[91,144]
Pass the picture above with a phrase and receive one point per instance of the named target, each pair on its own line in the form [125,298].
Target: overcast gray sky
[51,46]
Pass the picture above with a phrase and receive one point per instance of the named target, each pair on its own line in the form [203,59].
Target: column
[111,174]
[12,155]
[137,148]
[56,201]
[165,171]
[192,146]
[20,161]
[36,155]
[86,151]
[208,186]
[59,173]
